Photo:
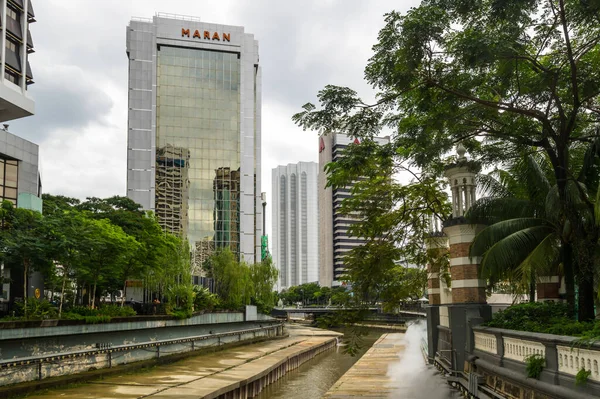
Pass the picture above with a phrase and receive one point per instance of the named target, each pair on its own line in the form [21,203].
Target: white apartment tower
[295,224]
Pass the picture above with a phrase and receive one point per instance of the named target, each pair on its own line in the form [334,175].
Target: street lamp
[263,197]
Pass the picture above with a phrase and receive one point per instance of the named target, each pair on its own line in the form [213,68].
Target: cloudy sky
[80,70]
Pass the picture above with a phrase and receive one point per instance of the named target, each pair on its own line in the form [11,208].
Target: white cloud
[80,68]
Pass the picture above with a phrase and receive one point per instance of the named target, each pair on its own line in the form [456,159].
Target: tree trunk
[94,296]
[123,296]
[585,311]
[532,289]
[25,275]
[569,277]
[62,292]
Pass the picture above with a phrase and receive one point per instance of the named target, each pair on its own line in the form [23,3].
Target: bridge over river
[392,368]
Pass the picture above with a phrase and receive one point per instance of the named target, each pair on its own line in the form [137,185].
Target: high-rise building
[193,148]
[295,224]
[15,102]
[20,181]
[335,240]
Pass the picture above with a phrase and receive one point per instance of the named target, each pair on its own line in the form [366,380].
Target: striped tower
[467,287]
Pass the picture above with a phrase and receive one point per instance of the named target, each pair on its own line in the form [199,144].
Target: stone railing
[486,342]
[573,359]
[519,349]
[500,357]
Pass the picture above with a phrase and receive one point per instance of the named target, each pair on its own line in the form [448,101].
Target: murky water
[313,378]
[413,377]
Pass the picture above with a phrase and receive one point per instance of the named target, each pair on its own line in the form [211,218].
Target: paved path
[198,376]
[370,377]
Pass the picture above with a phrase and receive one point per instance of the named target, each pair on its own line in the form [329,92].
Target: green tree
[233,282]
[263,276]
[107,254]
[501,77]
[72,232]
[25,241]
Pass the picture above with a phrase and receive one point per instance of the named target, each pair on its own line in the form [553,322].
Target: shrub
[182,313]
[204,299]
[543,317]
[582,376]
[116,310]
[36,309]
[534,365]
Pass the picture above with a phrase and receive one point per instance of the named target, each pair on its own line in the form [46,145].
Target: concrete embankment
[369,376]
[233,373]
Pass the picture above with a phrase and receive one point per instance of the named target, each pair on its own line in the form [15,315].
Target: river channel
[411,377]
[315,377]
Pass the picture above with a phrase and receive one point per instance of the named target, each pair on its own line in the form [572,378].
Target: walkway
[200,376]
[392,368]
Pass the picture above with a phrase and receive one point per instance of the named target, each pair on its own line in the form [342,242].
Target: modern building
[334,238]
[194,132]
[20,183]
[295,223]
[15,102]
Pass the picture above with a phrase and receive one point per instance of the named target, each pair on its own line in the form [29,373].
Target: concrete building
[334,238]
[295,224]
[194,132]
[20,184]
[15,102]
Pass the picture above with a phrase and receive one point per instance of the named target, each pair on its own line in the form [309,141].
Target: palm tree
[522,237]
[530,234]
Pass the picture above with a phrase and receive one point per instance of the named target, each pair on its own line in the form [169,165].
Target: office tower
[295,223]
[193,153]
[334,239]
[16,46]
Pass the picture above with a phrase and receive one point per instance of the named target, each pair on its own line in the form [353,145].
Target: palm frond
[542,261]
[489,186]
[538,185]
[492,210]
[501,260]
[597,206]
[495,233]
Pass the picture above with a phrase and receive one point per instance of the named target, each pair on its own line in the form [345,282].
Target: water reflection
[411,376]
[314,378]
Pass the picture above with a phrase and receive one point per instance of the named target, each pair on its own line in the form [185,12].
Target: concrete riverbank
[233,373]
[393,368]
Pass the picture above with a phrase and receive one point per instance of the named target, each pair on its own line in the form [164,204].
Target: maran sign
[225,37]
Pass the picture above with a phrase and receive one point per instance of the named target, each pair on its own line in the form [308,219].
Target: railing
[107,353]
[486,342]
[519,350]
[571,360]
[564,357]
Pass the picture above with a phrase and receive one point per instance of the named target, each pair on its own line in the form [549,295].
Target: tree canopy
[502,77]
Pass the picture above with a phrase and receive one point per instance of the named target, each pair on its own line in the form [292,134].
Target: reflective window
[9,171]
[197,147]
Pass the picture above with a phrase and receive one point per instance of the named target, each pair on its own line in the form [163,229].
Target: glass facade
[9,173]
[198,147]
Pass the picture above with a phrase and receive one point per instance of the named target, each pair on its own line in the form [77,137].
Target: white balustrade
[519,349]
[486,342]
[571,360]
[444,318]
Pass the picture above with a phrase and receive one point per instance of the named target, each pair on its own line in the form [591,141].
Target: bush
[541,317]
[534,365]
[182,313]
[95,319]
[204,299]
[36,309]
[116,310]
[582,376]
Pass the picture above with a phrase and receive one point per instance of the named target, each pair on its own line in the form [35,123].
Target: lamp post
[263,197]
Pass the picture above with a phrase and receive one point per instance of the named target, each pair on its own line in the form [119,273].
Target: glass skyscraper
[194,132]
